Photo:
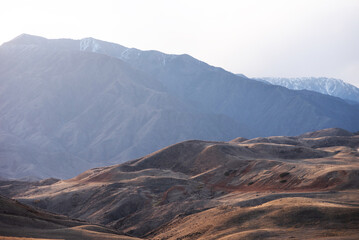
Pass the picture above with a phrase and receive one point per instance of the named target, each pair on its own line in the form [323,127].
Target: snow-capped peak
[330,86]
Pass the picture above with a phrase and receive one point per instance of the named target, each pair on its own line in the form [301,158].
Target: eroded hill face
[229,190]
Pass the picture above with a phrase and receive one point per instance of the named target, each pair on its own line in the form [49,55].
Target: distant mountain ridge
[69,105]
[211,88]
[330,86]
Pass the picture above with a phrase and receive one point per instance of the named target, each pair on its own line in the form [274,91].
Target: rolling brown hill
[276,187]
[286,218]
[19,221]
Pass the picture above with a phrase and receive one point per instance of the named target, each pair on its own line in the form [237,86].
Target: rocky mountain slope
[250,188]
[330,86]
[69,105]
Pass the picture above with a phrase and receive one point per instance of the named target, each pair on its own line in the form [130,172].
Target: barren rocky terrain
[304,187]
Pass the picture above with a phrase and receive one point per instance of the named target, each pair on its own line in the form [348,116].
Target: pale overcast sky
[279,38]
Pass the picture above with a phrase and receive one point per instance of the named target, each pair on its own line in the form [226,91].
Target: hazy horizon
[255,38]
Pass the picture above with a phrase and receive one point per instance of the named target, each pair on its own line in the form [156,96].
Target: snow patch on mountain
[89,44]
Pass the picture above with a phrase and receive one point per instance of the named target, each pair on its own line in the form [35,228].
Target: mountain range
[330,86]
[69,105]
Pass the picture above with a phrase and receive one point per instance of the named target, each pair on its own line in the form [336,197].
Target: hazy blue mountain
[330,86]
[63,111]
[69,105]
[266,109]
